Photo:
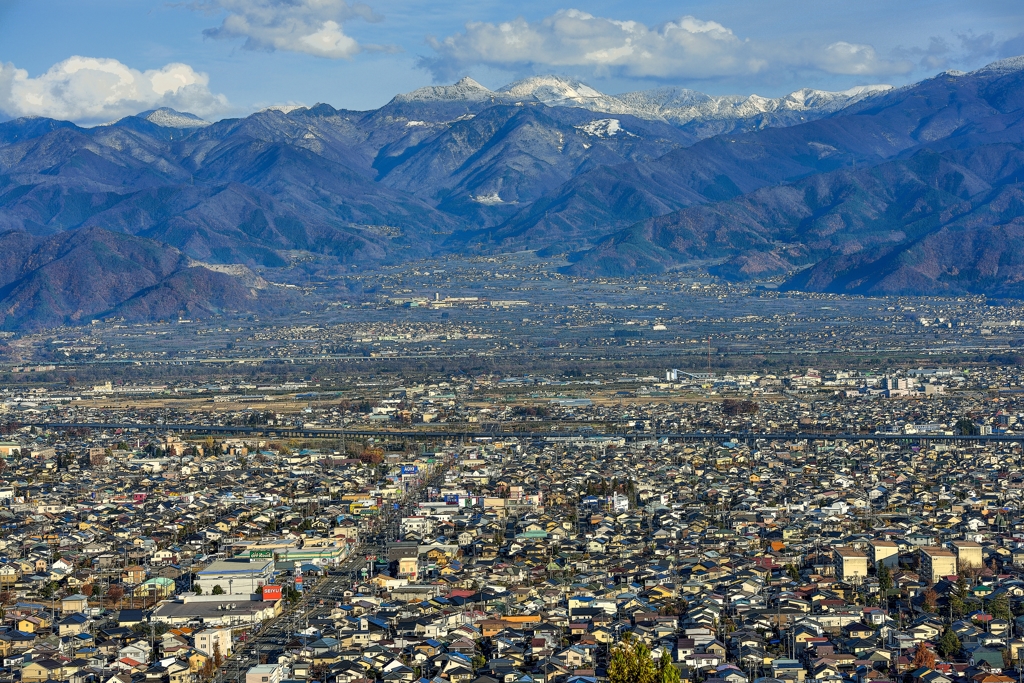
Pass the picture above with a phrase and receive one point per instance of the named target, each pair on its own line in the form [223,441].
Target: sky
[92,61]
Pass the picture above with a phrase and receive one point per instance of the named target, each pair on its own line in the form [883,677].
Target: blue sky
[96,60]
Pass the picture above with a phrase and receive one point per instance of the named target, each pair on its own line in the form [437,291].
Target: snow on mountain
[284,108]
[466,90]
[169,118]
[678,106]
[681,106]
[1003,66]
[555,91]
[491,199]
[603,128]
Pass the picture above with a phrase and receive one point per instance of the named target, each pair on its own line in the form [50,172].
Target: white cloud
[311,26]
[857,60]
[686,48]
[91,90]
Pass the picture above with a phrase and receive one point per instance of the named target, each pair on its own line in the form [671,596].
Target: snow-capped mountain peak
[1003,66]
[550,89]
[169,118]
[712,114]
[284,108]
[465,90]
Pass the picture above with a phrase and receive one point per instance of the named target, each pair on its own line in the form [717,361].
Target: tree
[631,663]
[197,589]
[667,672]
[217,590]
[115,593]
[949,644]
[923,656]
[999,607]
[958,598]
[930,600]
[884,578]
[965,427]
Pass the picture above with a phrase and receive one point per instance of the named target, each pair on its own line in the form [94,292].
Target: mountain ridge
[286,193]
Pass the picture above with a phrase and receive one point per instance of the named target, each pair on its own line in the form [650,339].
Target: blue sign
[410,469]
[394,506]
[451,499]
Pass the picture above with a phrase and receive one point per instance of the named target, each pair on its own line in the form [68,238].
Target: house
[72,624]
[41,670]
[74,603]
[134,575]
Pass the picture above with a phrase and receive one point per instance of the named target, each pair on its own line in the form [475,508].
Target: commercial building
[237,576]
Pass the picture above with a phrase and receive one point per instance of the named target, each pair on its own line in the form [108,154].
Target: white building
[237,576]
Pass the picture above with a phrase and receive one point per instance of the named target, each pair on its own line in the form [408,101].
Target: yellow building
[885,552]
[851,564]
[968,555]
[936,563]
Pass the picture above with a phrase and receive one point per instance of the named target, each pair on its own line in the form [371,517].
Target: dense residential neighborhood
[880,539]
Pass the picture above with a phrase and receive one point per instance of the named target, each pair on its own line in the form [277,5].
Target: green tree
[197,589]
[999,607]
[959,597]
[949,644]
[884,578]
[631,662]
[667,672]
[965,427]
[217,590]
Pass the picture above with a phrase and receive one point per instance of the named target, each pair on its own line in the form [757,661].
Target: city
[824,524]
[395,341]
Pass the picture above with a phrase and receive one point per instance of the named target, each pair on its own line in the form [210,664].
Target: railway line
[455,433]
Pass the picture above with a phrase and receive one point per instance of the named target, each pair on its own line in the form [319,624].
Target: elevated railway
[509,431]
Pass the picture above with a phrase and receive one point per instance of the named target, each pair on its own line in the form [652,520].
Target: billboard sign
[410,469]
[451,499]
[271,593]
[261,555]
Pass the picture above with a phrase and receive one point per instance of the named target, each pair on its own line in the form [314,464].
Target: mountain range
[871,190]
